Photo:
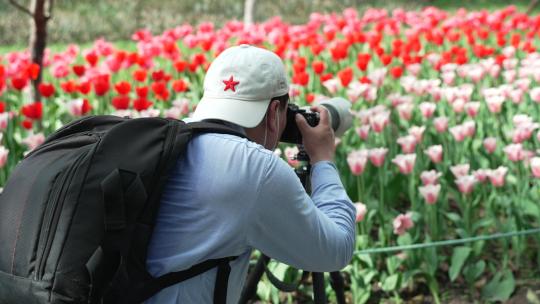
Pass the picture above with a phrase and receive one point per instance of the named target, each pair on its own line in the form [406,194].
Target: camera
[339,115]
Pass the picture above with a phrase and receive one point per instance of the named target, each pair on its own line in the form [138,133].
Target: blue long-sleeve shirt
[228,196]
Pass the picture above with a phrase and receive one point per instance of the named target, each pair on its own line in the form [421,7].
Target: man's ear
[273,109]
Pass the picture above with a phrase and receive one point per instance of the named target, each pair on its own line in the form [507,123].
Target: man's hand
[319,140]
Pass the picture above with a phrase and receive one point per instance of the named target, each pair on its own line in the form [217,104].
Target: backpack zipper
[52,215]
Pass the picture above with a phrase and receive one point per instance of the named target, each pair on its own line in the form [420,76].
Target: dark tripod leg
[253,279]
[319,292]
[336,280]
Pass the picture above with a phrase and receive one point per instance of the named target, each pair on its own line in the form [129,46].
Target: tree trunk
[531,7]
[38,41]
[249,8]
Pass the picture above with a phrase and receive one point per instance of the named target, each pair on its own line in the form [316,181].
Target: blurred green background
[80,21]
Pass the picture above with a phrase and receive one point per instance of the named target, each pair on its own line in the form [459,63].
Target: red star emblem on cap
[230,84]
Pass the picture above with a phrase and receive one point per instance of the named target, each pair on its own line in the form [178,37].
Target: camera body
[339,114]
[292,134]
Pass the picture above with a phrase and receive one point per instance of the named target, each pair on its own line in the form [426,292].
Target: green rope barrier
[448,242]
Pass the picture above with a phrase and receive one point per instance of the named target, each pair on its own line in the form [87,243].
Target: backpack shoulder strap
[172,278]
[214,127]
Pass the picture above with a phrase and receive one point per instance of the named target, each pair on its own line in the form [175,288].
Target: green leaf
[366,258]
[454,217]
[404,239]
[392,263]
[459,257]
[485,222]
[390,283]
[473,272]
[500,288]
[530,208]
[432,260]
[367,275]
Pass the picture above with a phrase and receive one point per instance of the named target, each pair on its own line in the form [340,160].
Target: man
[230,195]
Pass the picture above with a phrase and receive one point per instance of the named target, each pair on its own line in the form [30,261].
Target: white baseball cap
[239,85]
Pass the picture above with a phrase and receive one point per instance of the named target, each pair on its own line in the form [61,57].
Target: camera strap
[285,287]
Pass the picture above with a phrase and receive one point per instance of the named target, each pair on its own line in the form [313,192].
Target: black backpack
[77,214]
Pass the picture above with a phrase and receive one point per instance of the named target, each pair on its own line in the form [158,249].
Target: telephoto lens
[339,115]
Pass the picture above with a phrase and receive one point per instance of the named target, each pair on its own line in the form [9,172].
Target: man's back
[229,195]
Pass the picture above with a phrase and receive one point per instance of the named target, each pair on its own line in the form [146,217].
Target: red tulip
[46,89]
[33,71]
[33,110]
[396,71]
[139,75]
[301,78]
[318,67]
[345,76]
[19,83]
[101,86]
[142,92]
[141,104]
[179,85]
[180,65]
[122,87]
[84,87]
[79,70]
[120,102]
[27,124]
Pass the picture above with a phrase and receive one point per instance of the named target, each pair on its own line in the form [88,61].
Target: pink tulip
[441,124]
[535,166]
[466,183]
[458,105]
[377,155]
[405,162]
[402,223]
[427,109]
[514,152]
[435,153]
[509,76]
[472,108]
[4,118]
[481,175]
[430,177]
[469,127]
[414,69]
[430,193]
[516,96]
[332,85]
[3,156]
[490,144]
[363,131]
[497,176]
[523,131]
[417,132]
[34,140]
[361,211]
[379,121]
[290,154]
[408,143]
[522,119]
[535,94]
[405,110]
[494,103]
[460,170]
[523,84]
[448,77]
[357,161]
[459,133]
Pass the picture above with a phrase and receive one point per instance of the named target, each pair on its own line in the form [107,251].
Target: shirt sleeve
[313,234]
